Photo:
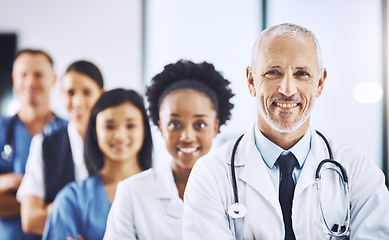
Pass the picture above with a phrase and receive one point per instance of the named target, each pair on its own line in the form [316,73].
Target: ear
[250,81]
[54,80]
[217,126]
[159,126]
[320,83]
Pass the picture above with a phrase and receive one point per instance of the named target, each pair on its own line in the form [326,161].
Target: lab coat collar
[271,151]
[255,171]
[246,149]
[316,155]
[164,182]
[166,192]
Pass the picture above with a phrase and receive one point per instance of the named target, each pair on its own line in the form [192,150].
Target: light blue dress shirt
[270,152]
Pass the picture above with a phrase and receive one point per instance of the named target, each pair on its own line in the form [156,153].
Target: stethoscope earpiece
[7,152]
[237,210]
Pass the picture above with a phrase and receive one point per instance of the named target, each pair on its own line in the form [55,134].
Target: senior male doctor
[277,158]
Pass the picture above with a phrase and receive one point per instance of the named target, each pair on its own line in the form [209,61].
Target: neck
[81,129]
[114,172]
[283,140]
[180,174]
[35,118]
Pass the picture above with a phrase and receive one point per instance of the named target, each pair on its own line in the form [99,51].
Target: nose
[29,80]
[77,100]
[287,85]
[120,133]
[188,134]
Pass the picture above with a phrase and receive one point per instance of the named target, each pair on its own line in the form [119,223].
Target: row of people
[188,102]
[259,194]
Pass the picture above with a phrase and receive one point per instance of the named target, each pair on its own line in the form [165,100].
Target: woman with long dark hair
[118,144]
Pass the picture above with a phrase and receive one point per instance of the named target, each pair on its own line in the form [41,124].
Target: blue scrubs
[79,208]
[10,227]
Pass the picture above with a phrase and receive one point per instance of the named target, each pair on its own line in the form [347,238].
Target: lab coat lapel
[317,153]
[167,193]
[254,171]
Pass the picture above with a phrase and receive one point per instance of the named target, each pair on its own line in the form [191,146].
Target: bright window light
[368,92]
[13,107]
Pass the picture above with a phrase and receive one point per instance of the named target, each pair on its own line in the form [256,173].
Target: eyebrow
[298,68]
[197,115]
[127,119]
[304,67]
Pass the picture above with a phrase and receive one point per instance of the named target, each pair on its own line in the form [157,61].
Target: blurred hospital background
[131,41]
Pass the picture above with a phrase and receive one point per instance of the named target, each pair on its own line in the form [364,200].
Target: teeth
[286,105]
[188,150]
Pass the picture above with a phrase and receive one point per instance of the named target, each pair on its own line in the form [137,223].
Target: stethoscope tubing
[234,185]
[318,178]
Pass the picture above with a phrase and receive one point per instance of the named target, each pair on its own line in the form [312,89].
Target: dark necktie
[286,191]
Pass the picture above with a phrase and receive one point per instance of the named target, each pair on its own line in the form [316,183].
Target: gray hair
[285,29]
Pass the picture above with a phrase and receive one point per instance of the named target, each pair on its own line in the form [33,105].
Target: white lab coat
[209,193]
[146,207]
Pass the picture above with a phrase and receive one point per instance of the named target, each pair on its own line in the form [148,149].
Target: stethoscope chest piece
[237,210]
[7,152]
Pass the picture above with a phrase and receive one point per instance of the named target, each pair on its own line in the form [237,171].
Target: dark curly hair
[185,74]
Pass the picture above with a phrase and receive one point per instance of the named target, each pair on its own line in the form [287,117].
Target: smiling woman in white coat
[188,102]
[275,163]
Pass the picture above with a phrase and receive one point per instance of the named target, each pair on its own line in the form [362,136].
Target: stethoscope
[8,149]
[238,210]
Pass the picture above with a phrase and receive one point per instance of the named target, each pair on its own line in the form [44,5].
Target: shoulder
[213,166]
[140,187]
[140,180]
[60,122]
[356,162]
[56,140]
[216,158]
[79,188]
[4,124]
[345,152]
[60,133]
[4,120]
[55,125]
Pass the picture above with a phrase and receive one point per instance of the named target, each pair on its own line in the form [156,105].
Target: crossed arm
[9,184]
[34,212]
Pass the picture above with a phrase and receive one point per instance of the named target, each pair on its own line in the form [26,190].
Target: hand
[78,236]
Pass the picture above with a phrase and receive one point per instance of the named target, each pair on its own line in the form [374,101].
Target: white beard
[282,126]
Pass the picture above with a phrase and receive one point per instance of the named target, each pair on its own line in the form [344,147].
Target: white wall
[222,32]
[349,33]
[219,32]
[107,33]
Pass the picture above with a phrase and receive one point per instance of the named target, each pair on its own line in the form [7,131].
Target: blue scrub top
[10,227]
[79,208]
